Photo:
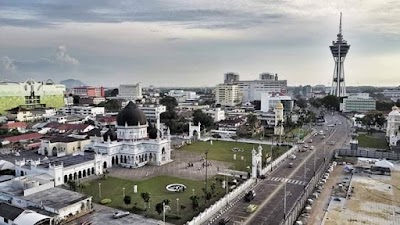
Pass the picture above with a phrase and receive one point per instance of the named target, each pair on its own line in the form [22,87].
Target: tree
[72,185]
[146,198]
[159,208]
[316,102]
[195,201]
[204,119]
[169,102]
[252,120]
[331,102]
[112,93]
[76,99]
[302,103]
[127,199]
[111,105]
[257,104]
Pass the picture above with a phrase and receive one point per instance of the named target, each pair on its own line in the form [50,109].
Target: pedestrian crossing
[290,181]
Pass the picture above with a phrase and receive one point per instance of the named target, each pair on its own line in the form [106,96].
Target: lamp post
[163,205]
[284,201]
[205,181]
[123,192]
[99,190]
[177,206]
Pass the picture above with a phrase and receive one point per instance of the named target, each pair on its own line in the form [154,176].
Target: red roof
[110,119]
[14,125]
[30,136]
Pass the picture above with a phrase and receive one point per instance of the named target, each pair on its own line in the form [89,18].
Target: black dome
[153,133]
[110,134]
[131,115]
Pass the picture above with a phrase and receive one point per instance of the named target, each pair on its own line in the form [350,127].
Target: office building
[251,90]
[31,94]
[88,91]
[360,102]
[183,96]
[230,78]
[268,102]
[227,95]
[130,91]
[392,93]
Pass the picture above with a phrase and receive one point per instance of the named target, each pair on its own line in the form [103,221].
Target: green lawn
[298,133]
[222,151]
[112,188]
[368,141]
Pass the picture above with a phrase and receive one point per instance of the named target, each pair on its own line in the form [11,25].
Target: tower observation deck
[339,49]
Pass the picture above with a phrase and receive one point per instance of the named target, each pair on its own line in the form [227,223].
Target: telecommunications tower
[339,49]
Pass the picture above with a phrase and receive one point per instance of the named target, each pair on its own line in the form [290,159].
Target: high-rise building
[339,49]
[130,91]
[31,94]
[227,94]
[229,78]
[251,90]
[268,76]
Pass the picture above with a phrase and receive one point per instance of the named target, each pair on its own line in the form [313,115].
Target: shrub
[173,216]
[84,185]
[105,201]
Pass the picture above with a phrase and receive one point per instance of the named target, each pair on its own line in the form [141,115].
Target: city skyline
[178,43]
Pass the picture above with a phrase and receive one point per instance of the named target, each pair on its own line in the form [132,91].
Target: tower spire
[340,24]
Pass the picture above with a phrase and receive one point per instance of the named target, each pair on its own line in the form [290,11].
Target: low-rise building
[268,102]
[27,115]
[360,102]
[183,96]
[62,145]
[230,125]
[91,100]
[392,93]
[130,92]
[216,113]
[11,125]
[88,91]
[10,214]
[82,110]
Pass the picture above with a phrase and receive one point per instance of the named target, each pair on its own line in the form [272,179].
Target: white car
[120,214]
[292,156]
[310,141]
[331,125]
[311,147]
[305,146]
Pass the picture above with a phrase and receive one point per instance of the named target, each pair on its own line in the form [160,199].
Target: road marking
[291,181]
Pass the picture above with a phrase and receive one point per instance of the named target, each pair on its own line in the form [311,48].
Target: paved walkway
[178,168]
[321,204]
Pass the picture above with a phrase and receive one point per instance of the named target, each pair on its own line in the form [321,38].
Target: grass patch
[222,151]
[111,188]
[368,141]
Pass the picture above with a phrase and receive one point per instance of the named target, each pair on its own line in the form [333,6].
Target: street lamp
[99,190]
[205,183]
[123,192]
[163,205]
[193,192]
[177,206]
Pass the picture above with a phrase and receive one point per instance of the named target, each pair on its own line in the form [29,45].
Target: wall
[39,188]
[368,154]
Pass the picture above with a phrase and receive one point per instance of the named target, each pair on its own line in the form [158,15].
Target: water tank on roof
[31,184]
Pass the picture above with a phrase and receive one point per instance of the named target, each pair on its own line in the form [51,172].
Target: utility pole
[315,161]
[163,204]
[100,190]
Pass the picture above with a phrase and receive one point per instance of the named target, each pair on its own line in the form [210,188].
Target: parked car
[292,156]
[309,140]
[305,146]
[224,221]
[332,143]
[120,214]
[251,208]
[290,165]
[311,147]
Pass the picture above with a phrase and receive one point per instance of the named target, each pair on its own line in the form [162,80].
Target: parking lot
[103,216]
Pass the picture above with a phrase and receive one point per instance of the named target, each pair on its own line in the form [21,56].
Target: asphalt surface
[270,191]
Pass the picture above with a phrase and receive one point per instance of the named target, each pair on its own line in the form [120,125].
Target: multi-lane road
[270,191]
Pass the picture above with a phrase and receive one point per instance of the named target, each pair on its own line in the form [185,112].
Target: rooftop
[56,198]
[9,212]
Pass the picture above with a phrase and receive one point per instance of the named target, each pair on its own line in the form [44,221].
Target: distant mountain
[71,83]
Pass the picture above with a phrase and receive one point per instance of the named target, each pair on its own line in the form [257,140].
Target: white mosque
[393,128]
[132,145]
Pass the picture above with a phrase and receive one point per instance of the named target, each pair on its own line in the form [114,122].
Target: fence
[295,211]
[368,154]
[223,204]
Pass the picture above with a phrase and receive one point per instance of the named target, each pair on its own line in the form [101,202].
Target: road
[270,191]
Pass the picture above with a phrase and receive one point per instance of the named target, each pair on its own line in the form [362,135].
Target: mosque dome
[131,115]
[110,134]
[153,133]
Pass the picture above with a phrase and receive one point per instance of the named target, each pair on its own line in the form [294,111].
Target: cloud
[63,57]
[7,64]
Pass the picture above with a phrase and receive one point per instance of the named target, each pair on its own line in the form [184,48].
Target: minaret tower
[339,49]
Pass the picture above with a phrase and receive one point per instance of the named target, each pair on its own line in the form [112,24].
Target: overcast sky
[194,42]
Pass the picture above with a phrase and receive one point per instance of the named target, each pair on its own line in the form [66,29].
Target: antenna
[340,24]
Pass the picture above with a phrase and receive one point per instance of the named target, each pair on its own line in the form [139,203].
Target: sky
[194,42]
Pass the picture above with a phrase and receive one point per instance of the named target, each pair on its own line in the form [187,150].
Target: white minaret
[256,162]
[278,129]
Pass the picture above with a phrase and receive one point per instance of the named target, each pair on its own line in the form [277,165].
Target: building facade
[130,92]
[227,95]
[251,90]
[87,91]
[358,103]
[230,78]
[217,114]
[268,102]
[392,93]
[183,96]
[393,128]
[31,94]
[81,110]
